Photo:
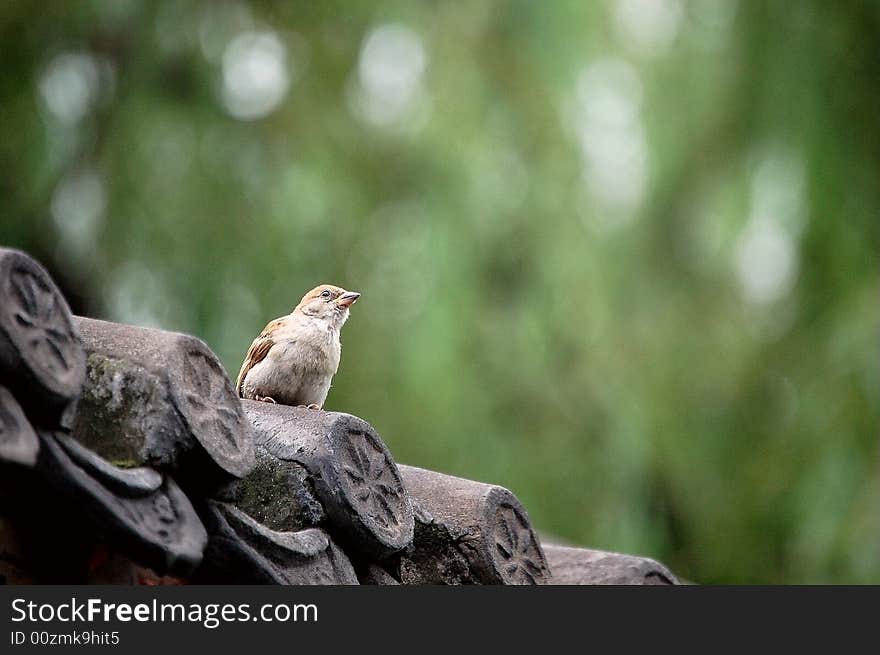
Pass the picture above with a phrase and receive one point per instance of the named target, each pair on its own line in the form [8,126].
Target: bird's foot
[265,399]
[313,406]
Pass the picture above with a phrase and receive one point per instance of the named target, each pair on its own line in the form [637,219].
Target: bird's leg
[265,399]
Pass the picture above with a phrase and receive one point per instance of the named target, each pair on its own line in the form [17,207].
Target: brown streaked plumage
[295,357]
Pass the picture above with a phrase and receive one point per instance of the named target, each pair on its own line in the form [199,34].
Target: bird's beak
[348,298]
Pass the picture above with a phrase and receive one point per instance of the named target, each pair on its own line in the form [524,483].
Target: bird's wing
[257,352]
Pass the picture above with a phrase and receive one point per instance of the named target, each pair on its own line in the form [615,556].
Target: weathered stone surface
[581,566]
[350,470]
[434,556]
[241,551]
[161,399]
[41,358]
[469,532]
[18,441]
[278,494]
[138,512]
[373,574]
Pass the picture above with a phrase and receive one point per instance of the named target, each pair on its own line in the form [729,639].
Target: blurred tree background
[618,256]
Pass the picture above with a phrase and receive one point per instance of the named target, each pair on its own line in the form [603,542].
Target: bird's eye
[325,293]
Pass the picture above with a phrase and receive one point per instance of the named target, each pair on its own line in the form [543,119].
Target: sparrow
[296,356]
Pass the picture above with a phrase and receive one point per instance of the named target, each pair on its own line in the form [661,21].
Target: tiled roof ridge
[131,445]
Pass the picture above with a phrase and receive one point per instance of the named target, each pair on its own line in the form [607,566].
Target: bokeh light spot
[390,71]
[255,75]
[648,26]
[609,130]
[69,86]
[767,252]
[78,206]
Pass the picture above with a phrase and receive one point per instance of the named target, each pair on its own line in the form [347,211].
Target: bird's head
[329,303]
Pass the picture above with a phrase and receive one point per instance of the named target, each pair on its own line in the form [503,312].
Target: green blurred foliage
[620,256]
